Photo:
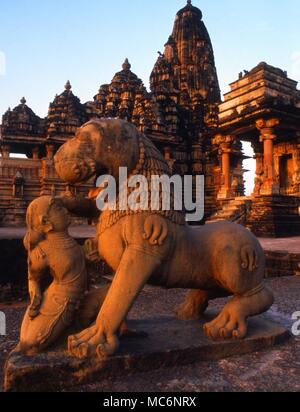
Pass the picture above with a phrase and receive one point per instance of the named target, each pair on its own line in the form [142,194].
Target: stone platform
[170,343]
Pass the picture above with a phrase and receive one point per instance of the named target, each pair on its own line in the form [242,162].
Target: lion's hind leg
[241,271]
[232,321]
[196,302]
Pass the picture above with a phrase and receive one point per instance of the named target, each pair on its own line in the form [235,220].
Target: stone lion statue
[158,247]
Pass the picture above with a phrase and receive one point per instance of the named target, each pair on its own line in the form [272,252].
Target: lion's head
[100,146]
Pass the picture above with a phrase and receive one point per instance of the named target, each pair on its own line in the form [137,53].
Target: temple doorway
[249,166]
[286,171]
[18,156]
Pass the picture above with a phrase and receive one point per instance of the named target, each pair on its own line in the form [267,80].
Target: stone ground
[270,370]
[291,245]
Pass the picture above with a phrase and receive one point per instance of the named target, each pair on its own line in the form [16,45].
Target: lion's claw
[228,325]
[92,342]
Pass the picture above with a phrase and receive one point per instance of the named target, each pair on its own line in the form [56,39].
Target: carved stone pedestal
[170,343]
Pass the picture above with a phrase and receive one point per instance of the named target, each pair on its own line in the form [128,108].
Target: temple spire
[187,68]
[66,113]
[126,65]
[68,86]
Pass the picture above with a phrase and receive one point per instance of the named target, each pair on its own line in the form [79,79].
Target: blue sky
[48,42]
[45,43]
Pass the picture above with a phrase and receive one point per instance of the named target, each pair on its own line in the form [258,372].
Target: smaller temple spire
[65,114]
[68,86]
[23,101]
[126,65]
[190,8]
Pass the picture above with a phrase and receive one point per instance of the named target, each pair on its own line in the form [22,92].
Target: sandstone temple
[184,115]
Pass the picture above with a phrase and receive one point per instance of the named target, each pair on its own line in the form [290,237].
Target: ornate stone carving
[222,140]
[267,125]
[267,129]
[22,121]
[67,301]
[66,114]
[18,185]
[153,247]
[50,248]
[259,172]
[226,147]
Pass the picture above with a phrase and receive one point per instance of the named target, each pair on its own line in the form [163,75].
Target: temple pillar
[259,178]
[226,168]
[50,151]
[296,177]
[269,154]
[35,153]
[267,129]
[225,147]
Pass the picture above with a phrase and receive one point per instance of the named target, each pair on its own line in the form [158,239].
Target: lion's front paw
[92,342]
